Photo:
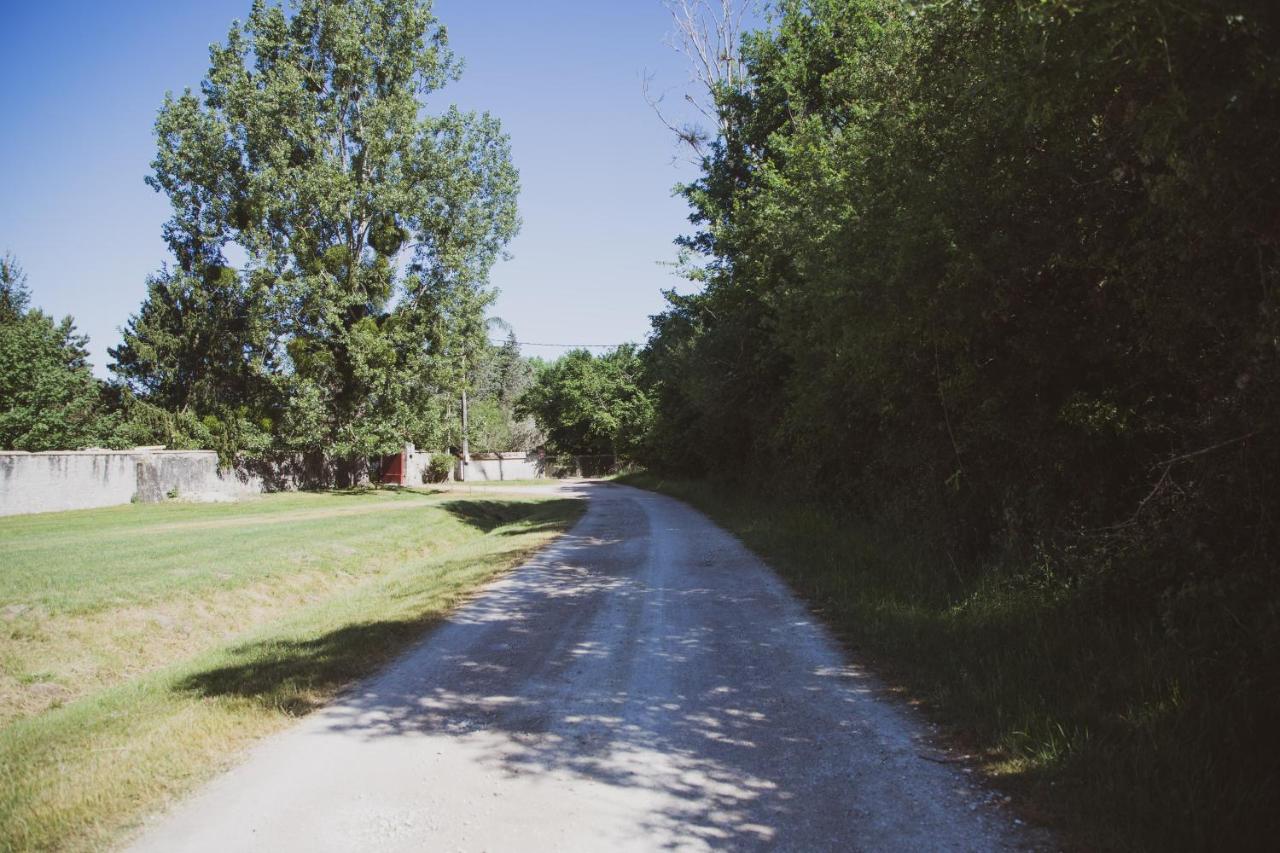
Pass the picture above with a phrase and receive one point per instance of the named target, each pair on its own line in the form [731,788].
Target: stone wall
[84,479]
[285,472]
[416,464]
[503,466]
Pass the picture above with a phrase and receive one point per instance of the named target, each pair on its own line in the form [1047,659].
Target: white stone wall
[416,463]
[84,479]
[503,466]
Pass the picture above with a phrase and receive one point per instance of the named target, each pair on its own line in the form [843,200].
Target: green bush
[439,467]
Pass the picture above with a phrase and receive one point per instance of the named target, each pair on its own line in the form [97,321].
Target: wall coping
[137,451]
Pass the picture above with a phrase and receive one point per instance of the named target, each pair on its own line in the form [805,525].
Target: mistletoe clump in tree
[369,227]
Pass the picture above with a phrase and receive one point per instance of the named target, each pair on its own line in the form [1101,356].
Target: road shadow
[527,516]
[487,515]
[299,676]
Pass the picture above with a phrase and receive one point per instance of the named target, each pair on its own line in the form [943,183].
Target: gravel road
[644,683]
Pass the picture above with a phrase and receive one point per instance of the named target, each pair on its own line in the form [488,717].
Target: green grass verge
[498,484]
[1100,722]
[239,618]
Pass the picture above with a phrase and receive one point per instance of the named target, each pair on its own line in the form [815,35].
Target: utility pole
[466,454]
[466,451]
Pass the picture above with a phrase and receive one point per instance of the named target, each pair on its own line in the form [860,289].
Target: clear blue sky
[80,83]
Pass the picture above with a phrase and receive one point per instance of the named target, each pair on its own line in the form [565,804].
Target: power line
[565,346]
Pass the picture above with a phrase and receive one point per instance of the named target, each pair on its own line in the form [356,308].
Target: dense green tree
[592,405]
[15,296]
[201,342]
[49,399]
[1006,278]
[369,226]
[505,375]
[501,378]
[963,245]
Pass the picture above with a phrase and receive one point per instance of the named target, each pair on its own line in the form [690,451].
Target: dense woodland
[1005,279]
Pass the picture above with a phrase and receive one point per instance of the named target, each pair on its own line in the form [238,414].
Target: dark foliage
[1004,277]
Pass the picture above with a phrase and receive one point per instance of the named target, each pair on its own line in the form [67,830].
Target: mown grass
[1100,720]
[538,481]
[141,647]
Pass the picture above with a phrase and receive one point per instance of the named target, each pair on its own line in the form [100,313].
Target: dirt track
[645,683]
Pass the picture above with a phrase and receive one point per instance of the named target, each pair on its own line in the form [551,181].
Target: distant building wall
[85,479]
[504,466]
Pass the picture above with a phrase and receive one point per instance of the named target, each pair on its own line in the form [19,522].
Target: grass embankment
[142,646]
[1089,711]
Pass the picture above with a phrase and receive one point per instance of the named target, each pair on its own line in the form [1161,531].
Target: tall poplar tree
[369,226]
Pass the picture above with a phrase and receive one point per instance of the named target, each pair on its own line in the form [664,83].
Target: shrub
[438,468]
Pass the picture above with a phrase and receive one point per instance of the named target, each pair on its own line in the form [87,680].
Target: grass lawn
[142,646]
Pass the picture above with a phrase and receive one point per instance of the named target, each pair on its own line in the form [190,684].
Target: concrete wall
[416,463]
[288,472]
[285,472]
[84,479]
[503,466]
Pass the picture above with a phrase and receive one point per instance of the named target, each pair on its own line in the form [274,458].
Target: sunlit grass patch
[170,636]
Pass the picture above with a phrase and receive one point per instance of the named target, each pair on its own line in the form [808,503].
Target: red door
[393,469]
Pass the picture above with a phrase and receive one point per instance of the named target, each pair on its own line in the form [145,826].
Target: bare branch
[1166,467]
[709,34]
[688,134]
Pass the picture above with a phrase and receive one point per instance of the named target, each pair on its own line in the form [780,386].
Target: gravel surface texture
[644,683]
